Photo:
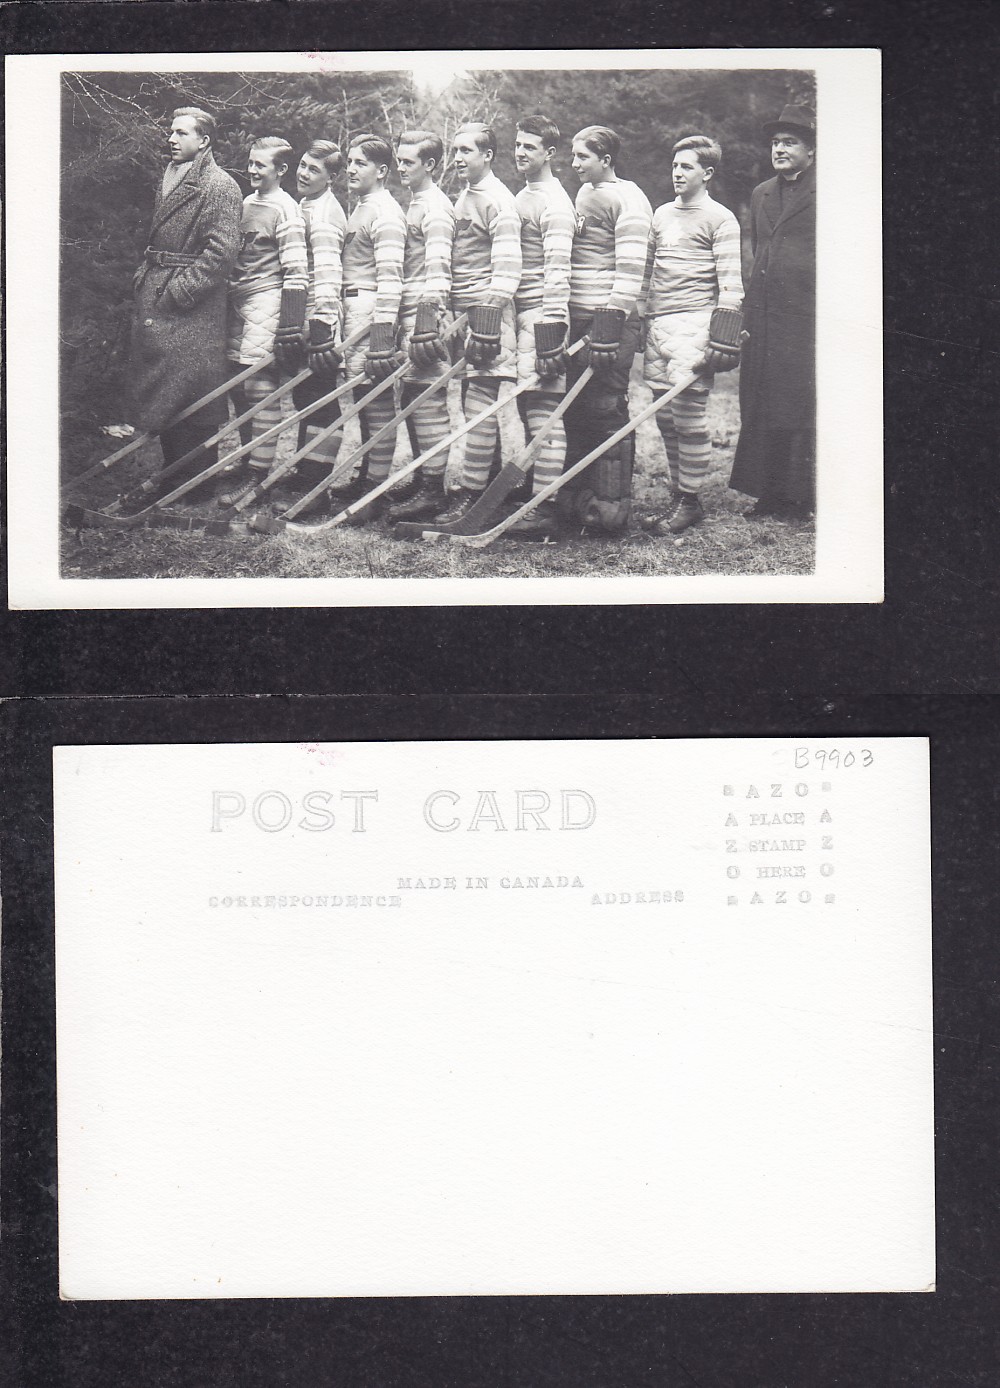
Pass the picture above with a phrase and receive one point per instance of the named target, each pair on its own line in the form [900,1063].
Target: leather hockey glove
[288,337]
[604,338]
[382,358]
[324,359]
[483,342]
[426,348]
[725,335]
[550,349]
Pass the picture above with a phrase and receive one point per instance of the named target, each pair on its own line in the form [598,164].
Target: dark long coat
[778,364]
[179,318]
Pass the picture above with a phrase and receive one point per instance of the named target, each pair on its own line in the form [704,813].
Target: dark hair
[546,130]
[708,151]
[277,146]
[375,148]
[429,145]
[485,137]
[600,140]
[203,122]
[328,154]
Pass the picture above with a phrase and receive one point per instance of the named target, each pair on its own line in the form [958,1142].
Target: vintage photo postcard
[494,1018]
[409,329]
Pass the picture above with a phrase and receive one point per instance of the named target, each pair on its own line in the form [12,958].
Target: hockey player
[373,286]
[693,319]
[430,231]
[485,273]
[325,225]
[542,304]
[613,220]
[268,290]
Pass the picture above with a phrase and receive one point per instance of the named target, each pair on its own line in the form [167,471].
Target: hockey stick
[410,467]
[508,479]
[273,525]
[340,470]
[221,524]
[151,484]
[77,516]
[488,536]
[147,434]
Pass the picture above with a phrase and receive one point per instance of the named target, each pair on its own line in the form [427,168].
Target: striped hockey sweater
[430,231]
[613,221]
[273,246]
[486,256]
[326,226]
[694,258]
[373,251]
[547,226]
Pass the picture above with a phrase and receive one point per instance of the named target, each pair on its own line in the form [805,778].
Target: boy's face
[471,162]
[413,172]
[262,171]
[362,174]
[689,177]
[588,166]
[184,141]
[530,155]
[311,177]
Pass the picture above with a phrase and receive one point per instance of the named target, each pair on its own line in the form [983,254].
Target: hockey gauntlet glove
[604,338]
[382,358]
[426,348]
[550,349]
[725,335]
[483,342]
[324,359]
[288,337]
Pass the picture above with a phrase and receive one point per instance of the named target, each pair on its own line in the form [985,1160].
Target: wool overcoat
[179,317]
[778,364]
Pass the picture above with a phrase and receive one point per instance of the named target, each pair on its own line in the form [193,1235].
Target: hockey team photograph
[546,323]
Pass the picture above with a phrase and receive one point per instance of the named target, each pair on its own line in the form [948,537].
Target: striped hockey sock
[668,433]
[257,387]
[481,441]
[325,452]
[431,424]
[693,443]
[374,416]
[551,457]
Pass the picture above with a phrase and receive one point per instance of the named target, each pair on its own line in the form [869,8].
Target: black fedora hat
[801,119]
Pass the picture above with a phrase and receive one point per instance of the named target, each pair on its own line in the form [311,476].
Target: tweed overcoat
[179,316]
[778,364]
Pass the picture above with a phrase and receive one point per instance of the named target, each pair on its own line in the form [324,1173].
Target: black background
[923,662]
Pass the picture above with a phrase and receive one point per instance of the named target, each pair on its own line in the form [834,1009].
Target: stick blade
[484,512]
[83,518]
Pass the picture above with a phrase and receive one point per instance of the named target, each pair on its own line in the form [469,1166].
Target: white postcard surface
[405,1019]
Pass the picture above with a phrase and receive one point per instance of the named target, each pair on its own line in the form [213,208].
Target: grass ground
[725,543]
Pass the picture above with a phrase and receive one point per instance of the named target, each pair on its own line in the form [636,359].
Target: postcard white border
[849,542]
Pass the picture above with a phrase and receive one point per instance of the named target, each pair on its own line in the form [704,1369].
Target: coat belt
[168,260]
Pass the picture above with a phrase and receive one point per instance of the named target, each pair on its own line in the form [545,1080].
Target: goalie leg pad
[601,497]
